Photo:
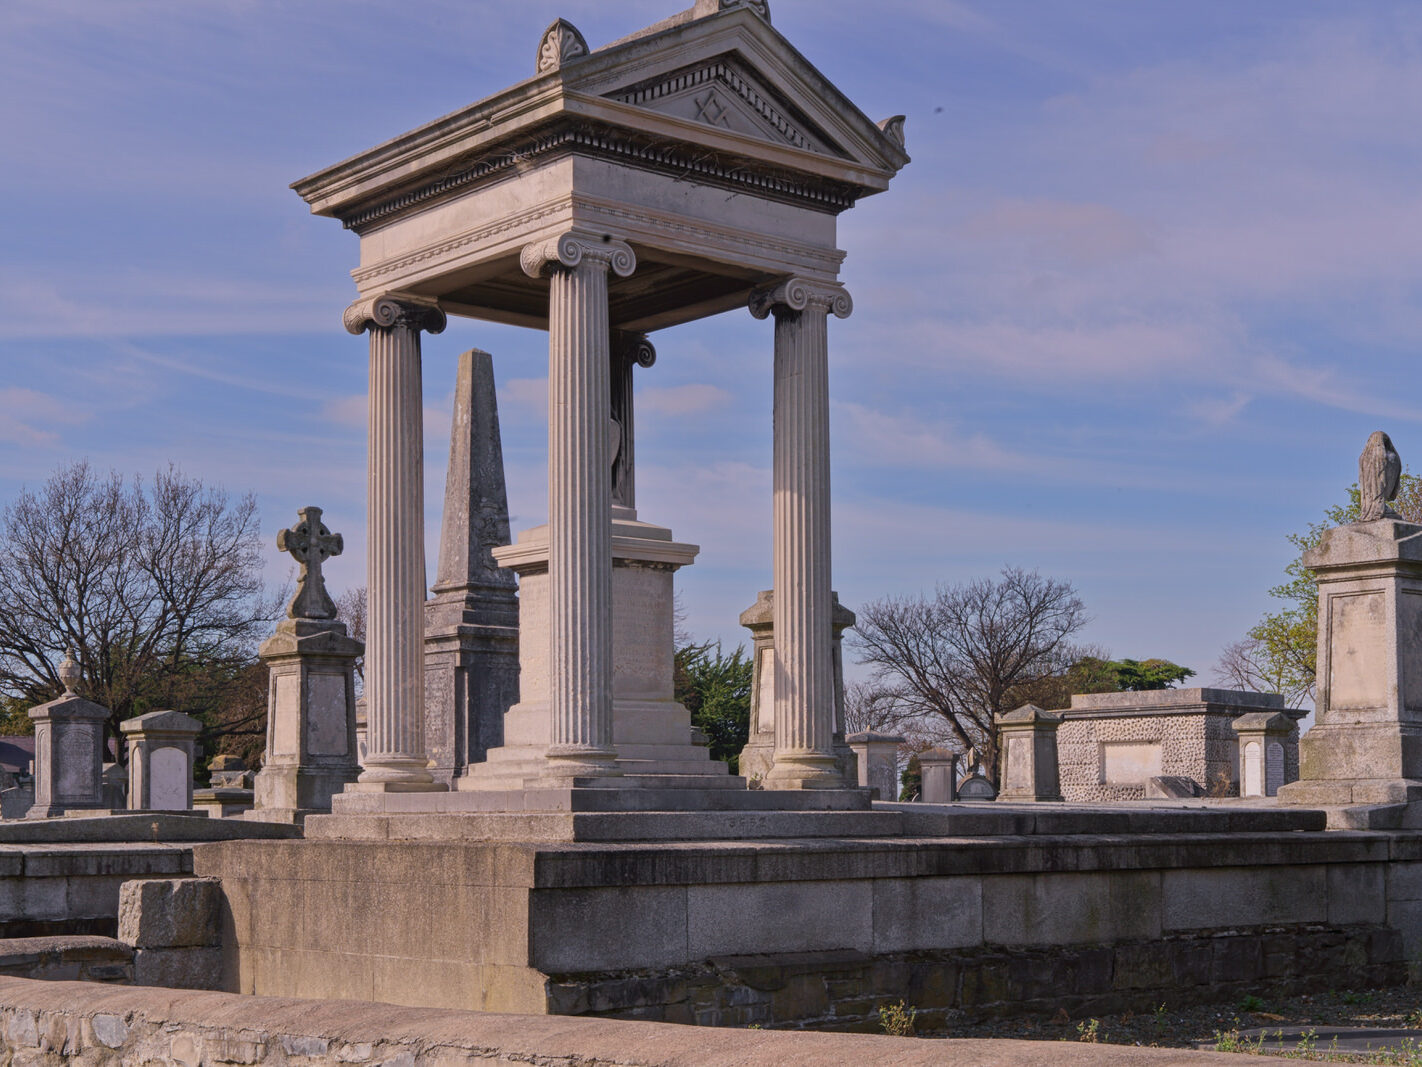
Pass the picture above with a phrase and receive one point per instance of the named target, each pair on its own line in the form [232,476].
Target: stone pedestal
[937,776]
[161,750]
[758,756]
[1027,739]
[878,758]
[471,623]
[1263,747]
[651,732]
[311,741]
[69,750]
[1365,747]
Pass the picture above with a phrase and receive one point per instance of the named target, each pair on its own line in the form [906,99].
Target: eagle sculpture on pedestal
[1379,472]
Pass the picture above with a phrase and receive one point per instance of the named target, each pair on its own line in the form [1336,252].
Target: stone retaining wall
[955,925]
[59,889]
[844,990]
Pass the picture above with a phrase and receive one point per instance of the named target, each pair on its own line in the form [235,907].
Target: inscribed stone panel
[1409,627]
[326,715]
[1129,762]
[73,761]
[168,786]
[1252,785]
[1357,651]
[286,735]
[1274,768]
[1019,764]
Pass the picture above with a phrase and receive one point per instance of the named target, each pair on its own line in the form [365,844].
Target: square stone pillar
[69,752]
[937,774]
[1027,739]
[1365,747]
[1264,742]
[311,738]
[878,759]
[162,747]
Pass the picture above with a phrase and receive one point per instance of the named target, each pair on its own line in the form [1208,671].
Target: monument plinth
[1365,747]
[311,744]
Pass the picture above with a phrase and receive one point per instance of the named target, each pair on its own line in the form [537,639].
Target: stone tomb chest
[1110,745]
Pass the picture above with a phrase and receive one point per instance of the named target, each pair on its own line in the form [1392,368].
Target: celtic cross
[310,544]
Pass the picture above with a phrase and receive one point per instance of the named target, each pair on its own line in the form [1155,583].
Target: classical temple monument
[536,827]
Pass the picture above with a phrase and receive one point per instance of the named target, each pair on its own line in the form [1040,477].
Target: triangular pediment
[723,93]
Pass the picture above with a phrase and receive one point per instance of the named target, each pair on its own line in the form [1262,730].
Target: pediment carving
[723,94]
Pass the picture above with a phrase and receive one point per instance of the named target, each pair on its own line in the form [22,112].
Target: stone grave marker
[69,750]
[161,750]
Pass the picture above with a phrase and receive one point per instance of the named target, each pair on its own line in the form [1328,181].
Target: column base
[810,771]
[392,787]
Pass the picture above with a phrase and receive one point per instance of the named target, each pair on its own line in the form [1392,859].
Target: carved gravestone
[1028,743]
[878,758]
[976,787]
[69,751]
[311,742]
[936,770]
[162,748]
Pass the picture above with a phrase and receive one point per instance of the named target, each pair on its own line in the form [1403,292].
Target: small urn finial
[69,673]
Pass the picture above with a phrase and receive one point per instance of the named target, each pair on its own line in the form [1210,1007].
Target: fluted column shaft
[803,604]
[628,350]
[579,498]
[395,560]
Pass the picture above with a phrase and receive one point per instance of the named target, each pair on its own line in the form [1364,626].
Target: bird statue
[1379,472]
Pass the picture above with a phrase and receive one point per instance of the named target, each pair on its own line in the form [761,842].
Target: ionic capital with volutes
[395,309]
[574,248]
[635,348]
[798,294]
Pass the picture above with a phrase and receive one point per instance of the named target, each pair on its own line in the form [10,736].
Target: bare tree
[970,652]
[351,610]
[155,588]
[1253,665]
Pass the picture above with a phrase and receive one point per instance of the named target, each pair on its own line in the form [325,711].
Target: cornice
[577,136]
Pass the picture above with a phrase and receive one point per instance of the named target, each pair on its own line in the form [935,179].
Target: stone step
[623,826]
[646,798]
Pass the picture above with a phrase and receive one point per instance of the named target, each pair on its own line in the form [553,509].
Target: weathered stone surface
[178,968]
[170,912]
[100,1023]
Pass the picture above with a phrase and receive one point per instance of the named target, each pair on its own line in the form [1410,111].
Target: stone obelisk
[471,624]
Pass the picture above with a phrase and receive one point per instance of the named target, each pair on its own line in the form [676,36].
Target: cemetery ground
[1229,1027]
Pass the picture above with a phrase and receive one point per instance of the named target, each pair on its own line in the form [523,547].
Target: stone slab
[139,827]
[668,826]
[644,797]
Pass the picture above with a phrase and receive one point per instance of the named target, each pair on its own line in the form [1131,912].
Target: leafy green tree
[716,689]
[1092,674]
[1278,655]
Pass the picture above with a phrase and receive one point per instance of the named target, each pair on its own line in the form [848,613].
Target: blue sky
[1128,317]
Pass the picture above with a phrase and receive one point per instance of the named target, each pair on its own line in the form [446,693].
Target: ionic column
[628,350]
[804,605]
[579,497]
[395,555]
